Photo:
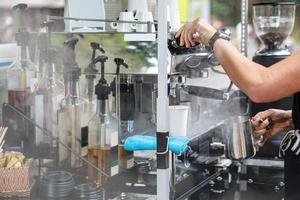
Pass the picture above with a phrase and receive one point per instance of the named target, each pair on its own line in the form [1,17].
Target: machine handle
[206,92]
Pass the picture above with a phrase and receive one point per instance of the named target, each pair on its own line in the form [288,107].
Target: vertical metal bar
[244,27]
[163,171]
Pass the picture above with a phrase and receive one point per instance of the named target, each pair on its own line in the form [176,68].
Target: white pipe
[163,175]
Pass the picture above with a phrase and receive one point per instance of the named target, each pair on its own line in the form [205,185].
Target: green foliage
[228,11]
[135,54]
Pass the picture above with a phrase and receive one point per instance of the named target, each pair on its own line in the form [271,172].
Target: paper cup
[178,120]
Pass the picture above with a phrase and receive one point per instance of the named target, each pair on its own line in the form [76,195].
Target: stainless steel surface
[96,20]
[134,196]
[274,163]
[239,139]
[194,64]
[176,82]
[205,92]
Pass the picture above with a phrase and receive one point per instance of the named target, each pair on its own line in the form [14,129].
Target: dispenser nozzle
[96,46]
[102,59]
[22,36]
[102,89]
[69,62]
[120,62]
[20,11]
[71,42]
[70,51]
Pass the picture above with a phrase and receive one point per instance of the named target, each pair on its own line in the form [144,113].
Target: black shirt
[292,161]
[296,111]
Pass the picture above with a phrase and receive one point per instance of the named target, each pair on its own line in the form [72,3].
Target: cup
[178,120]
[124,27]
[144,17]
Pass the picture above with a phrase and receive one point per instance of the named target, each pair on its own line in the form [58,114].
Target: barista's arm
[259,83]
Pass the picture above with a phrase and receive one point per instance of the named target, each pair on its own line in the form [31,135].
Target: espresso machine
[273,23]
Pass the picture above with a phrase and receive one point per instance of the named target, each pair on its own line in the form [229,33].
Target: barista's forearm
[247,75]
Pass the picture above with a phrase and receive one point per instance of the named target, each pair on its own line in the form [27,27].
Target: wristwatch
[218,35]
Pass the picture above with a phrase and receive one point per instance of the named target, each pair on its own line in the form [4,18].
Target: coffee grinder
[273,23]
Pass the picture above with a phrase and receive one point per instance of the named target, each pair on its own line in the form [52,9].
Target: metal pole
[244,27]
[163,171]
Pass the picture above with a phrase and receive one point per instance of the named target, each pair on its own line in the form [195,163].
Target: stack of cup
[144,17]
[124,27]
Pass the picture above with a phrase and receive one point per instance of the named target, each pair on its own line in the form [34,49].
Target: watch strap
[217,35]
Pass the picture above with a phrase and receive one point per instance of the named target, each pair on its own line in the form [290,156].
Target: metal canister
[239,139]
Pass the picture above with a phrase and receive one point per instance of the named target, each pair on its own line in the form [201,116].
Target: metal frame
[244,27]
[163,171]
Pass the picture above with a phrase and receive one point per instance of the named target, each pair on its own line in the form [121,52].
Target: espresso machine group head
[193,62]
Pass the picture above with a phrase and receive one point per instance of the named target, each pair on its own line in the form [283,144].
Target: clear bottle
[21,78]
[103,136]
[126,110]
[72,121]
[73,116]
[47,95]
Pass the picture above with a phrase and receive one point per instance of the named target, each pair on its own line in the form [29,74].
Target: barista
[262,85]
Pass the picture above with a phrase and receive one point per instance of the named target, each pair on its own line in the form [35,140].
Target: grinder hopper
[273,22]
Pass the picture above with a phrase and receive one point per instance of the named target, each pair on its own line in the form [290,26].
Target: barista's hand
[271,122]
[194,32]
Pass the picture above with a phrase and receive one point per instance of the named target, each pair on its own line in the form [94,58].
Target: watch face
[224,36]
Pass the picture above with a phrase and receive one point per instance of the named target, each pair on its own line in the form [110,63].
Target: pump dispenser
[22,75]
[119,63]
[47,94]
[73,110]
[123,95]
[103,133]
[91,70]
